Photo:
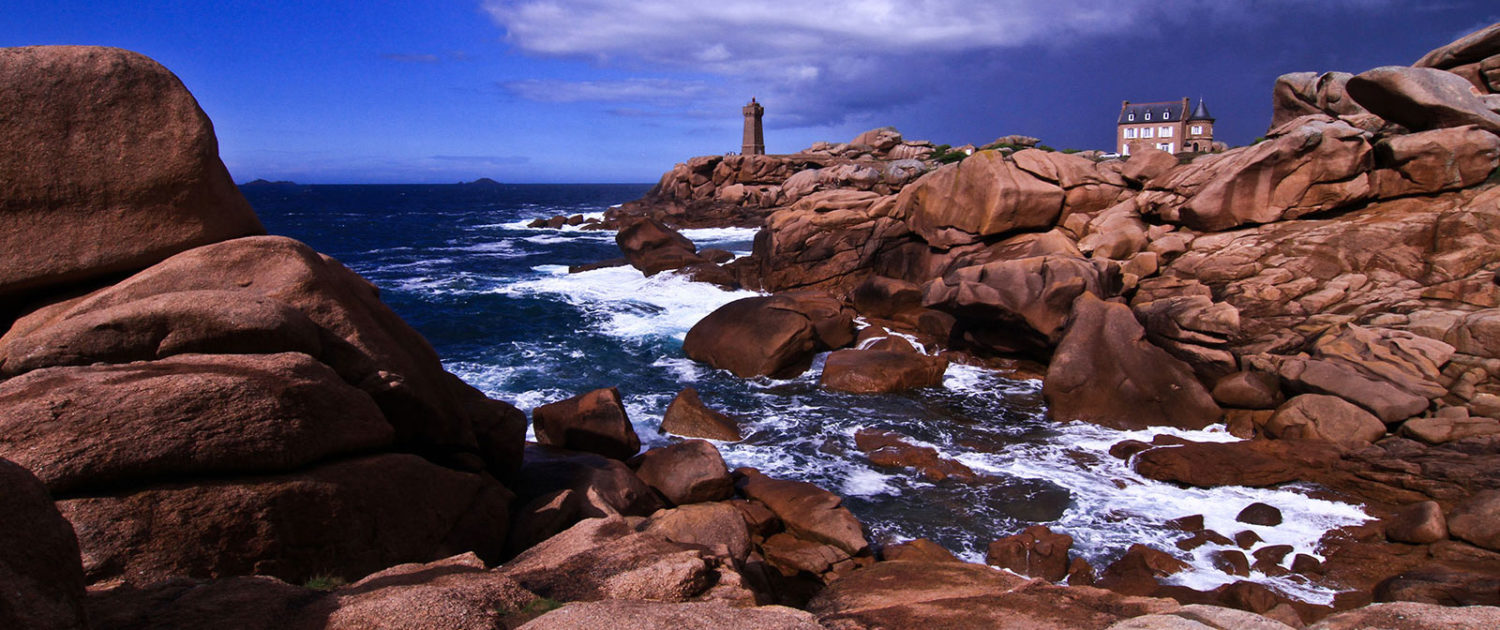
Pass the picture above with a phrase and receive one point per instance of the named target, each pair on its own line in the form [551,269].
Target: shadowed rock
[689,417]
[593,422]
[1422,98]
[41,582]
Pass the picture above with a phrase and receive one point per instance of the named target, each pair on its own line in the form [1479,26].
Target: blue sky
[609,91]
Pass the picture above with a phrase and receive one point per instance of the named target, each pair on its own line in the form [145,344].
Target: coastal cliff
[202,425]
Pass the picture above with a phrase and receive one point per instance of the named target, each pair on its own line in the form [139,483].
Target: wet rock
[686,472]
[1036,552]
[810,512]
[1422,98]
[594,422]
[343,519]
[41,581]
[101,427]
[1231,561]
[1257,463]
[889,449]
[630,614]
[1105,344]
[1246,539]
[652,247]
[774,336]
[1319,417]
[689,417]
[1477,520]
[881,371]
[143,180]
[1137,571]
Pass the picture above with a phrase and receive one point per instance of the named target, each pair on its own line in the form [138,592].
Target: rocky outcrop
[202,405]
[881,371]
[652,247]
[41,581]
[1020,305]
[1422,98]
[137,179]
[1301,94]
[1147,387]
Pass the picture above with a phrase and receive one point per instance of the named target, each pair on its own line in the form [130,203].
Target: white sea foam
[708,236]
[864,482]
[628,304]
[1114,507]
[524,224]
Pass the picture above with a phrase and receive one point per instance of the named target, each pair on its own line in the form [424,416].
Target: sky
[596,91]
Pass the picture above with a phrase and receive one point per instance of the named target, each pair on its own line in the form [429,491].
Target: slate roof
[1201,112]
[1168,111]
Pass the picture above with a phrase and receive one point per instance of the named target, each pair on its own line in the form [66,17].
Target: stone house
[1172,126]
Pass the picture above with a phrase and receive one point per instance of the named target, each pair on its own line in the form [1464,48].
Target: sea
[496,300]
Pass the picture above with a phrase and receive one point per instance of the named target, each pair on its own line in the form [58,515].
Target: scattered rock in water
[773,336]
[1231,561]
[1260,514]
[652,247]
[687,416]
[881,371]
[1137,571]
[593,422]
[1035,552]
[889,449]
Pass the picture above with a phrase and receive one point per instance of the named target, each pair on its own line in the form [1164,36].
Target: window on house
[1147,133]
[1130,117]
[1124,149]
[1197,129]
[1166,115]
[1148,115]
[1166,132]
[1130,133]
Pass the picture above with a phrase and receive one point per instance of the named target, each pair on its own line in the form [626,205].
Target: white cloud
[638,90]
[815,58]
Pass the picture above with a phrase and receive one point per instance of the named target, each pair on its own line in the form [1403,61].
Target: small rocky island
[202,425]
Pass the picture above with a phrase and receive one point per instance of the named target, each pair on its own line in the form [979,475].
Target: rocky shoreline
[207,426]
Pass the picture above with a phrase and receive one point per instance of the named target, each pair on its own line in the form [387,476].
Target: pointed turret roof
[1201,112]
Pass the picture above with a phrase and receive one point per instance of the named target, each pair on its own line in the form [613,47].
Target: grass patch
[540,606]
[324,582]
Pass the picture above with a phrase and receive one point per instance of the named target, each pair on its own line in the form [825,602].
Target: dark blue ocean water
[496,301]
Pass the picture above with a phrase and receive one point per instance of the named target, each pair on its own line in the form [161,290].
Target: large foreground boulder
[986,194]
[41,582]
[110,167]
[1107,373]
[268,277]
[93,427]
[346,519]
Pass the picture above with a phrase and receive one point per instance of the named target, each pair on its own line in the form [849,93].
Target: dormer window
[1131,117]
[1148,115]
[1166,115]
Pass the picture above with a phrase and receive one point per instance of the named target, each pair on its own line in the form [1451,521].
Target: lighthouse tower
[755,139]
